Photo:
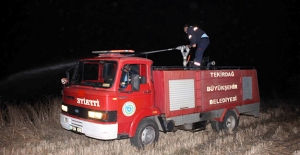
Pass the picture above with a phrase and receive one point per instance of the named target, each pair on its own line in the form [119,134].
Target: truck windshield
[95,73]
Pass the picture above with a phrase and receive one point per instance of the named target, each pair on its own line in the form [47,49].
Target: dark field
[35,129]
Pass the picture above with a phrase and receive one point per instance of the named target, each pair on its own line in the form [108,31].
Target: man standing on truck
[199,39]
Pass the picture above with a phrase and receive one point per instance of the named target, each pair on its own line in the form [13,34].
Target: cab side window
[130,69]
[127,72]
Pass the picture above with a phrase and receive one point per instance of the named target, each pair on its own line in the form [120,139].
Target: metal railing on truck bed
[200,68]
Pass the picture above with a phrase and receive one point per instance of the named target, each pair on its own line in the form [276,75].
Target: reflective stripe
[197,63]
[190,36]
[204,35]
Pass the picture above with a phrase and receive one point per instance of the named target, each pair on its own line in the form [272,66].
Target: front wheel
[230,122]
[146,134]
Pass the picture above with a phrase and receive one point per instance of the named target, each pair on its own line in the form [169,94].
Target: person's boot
[196,66]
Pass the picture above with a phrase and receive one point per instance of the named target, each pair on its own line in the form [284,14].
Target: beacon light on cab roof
[113,51]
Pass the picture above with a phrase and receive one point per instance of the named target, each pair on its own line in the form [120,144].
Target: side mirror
[64,81]
[135,82]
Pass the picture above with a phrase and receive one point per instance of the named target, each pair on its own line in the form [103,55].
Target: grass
[35,129]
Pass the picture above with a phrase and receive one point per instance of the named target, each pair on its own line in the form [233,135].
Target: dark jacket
[194,35]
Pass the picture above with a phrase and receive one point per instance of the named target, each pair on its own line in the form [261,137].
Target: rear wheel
[217,126]
[230,122]
[146,134]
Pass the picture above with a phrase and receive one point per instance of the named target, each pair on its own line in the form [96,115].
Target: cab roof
[118,56]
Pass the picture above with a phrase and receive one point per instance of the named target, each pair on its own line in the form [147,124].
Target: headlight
[64,108]
[97,115]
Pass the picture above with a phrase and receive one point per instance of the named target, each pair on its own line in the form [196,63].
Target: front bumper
[94,130]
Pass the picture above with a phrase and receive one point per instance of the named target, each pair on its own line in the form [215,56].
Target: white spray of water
[36,71]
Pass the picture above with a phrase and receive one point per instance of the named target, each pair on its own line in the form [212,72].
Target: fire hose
[183,48]
[184,51]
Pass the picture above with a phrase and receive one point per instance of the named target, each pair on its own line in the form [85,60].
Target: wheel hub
[148,135]
[230,123]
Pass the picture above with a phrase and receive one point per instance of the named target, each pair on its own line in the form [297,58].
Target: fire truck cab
[114,96]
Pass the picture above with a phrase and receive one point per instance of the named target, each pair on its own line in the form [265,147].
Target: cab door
[130,103]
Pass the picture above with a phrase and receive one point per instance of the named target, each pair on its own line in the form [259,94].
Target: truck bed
[180,92]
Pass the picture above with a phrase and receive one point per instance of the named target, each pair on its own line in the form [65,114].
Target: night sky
[264,34]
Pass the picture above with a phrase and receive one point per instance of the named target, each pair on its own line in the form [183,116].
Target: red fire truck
[117,96]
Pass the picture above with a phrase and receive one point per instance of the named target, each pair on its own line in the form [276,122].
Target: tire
[230,122]
[146,134]
[217,126]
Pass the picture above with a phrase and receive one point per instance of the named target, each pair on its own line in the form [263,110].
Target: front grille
[76,123]
[83,113]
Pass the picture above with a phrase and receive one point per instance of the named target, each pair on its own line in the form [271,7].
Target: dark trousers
[200,49]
